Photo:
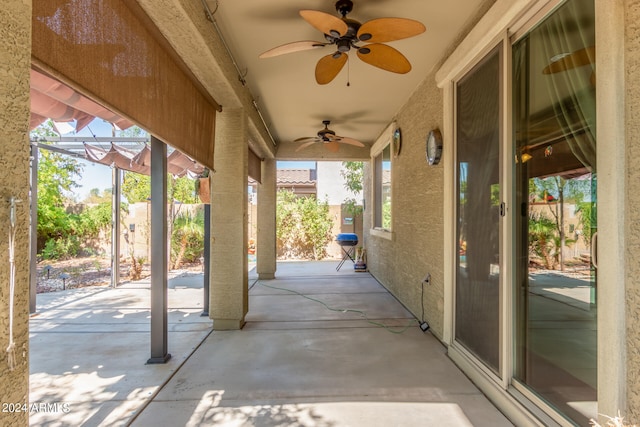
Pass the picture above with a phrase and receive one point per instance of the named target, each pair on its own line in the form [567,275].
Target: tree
[353,174]
[132,132]
[137,188]
[588,215]
[57,176]
[97,196]
[556,191]
[64,232]
[541,239]
[182,190]
[188,238]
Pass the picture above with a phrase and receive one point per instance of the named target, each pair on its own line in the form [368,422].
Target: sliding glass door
[554,84]
[544,223]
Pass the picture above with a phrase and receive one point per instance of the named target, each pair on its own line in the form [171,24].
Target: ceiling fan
[346,33]
[329,138]
[575,59]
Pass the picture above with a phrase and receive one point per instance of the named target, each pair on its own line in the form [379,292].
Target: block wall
[416,246]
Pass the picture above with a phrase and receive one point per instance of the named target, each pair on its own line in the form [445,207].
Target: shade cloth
[111,52]
[178,164]
[57,101]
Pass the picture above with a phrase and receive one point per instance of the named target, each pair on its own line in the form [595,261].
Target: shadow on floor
[313,353]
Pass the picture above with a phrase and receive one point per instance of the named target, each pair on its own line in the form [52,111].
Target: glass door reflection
[556,226]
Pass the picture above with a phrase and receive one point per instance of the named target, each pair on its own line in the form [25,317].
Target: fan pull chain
[348,72]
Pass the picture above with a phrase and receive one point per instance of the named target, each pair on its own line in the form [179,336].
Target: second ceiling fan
[328,138]
[346,33]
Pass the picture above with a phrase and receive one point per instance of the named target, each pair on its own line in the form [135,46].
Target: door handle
[594,249]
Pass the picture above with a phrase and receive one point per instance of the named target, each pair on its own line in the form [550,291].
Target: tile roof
[296,176]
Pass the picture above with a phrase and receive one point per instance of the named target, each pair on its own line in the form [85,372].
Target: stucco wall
[417,246]
[632,184]
[15,33]
[330,184]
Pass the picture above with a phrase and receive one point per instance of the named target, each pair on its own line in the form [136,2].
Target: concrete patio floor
[89,348]
[306,357]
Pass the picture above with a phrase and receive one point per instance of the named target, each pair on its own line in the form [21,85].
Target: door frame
[506,20]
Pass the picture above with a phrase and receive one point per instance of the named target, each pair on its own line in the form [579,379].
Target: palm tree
[542,235]
[188,235]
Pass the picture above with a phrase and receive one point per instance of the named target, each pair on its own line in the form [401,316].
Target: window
[382,188]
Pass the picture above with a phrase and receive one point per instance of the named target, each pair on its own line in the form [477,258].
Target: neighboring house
[302,182]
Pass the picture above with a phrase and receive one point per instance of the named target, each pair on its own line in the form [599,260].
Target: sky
[94,175]
[98,176]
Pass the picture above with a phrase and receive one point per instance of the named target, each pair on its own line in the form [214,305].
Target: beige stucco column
[15,61]
[615,146]
[228,298]
[266,249]
[622,119]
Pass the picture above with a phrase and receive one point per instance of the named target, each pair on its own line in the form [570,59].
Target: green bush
[66,235]
[61,248]
[303,226]
[94,219]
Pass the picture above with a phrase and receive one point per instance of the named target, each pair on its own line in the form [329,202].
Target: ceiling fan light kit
[346,33]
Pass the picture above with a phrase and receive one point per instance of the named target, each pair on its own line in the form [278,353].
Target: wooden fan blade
[332,146]
[305,145]
[575,59]
[324,22]
[292,47]
[328,68]
[389,29]
[350,141]
[385,57]
[307,139]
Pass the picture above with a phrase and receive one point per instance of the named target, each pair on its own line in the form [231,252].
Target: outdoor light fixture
[64,277]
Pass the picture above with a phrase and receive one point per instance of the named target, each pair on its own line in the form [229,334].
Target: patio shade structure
[178,164]
[120,158]
[117,67]
[70,110]
[51,99]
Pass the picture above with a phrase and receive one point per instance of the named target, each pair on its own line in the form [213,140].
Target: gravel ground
[83,272]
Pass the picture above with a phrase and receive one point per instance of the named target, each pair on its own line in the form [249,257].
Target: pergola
[132,154]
